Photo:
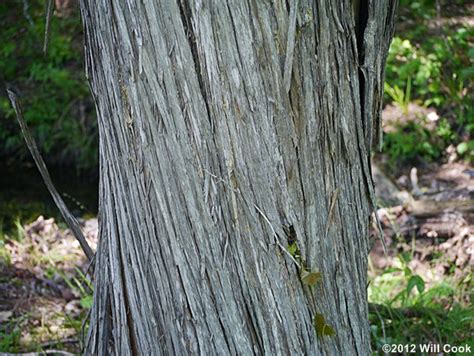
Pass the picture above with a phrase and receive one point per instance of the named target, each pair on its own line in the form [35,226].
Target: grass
[405,310]
[53,295]
[433,70]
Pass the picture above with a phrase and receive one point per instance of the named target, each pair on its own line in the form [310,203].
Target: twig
[56,342]
[26,7]
[45,352]
[47,25]
[334,197]
[90,267]
[31,143]
[275,235]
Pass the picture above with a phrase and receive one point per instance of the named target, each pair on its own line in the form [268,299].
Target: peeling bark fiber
[224,124]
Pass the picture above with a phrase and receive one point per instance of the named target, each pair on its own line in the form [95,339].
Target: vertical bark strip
[207,111]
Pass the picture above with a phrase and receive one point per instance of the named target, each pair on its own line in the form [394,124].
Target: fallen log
[427,208]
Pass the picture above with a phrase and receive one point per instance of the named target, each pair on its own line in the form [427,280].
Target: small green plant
[466,150]
[412,141]
[401,98]
[435,71]
[5,258]
[321,327]
[80,284]
[308,277]
[10,340]
[405,311]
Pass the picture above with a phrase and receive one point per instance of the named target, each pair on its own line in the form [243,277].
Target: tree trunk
[227,128]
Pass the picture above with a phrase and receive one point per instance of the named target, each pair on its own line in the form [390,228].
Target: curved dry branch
[71,221]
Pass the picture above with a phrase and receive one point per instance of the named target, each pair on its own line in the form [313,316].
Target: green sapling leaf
[322,329]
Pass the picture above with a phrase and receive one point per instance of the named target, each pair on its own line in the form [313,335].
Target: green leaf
[467,72]
[391,270]
[292,249]
[86,302]
[310,278]
[462,148]
[322,329]
[416,281]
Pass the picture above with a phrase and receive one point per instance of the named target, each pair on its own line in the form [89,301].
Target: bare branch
[47,26]
[26,13]
[31,143]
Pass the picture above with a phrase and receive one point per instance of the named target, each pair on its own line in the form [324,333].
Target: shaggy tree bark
[224,127]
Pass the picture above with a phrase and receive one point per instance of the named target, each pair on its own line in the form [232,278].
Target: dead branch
[424,208]
[47,26]
[71,221]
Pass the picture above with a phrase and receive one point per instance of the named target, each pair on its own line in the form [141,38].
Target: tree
[235,141]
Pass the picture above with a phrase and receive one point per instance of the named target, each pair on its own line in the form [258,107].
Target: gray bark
[220,123]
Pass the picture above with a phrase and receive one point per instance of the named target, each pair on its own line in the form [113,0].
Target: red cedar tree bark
[222,122]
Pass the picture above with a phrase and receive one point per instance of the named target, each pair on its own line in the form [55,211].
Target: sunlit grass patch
[45,295]
[406,310]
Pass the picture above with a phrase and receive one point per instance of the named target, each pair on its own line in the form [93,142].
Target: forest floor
[44,292]
[428,225]
[425,278]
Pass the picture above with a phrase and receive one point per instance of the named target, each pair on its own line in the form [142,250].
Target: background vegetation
[53,86]
[430,69]
[428,120]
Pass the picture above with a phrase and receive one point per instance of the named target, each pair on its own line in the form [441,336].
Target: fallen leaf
[310,278]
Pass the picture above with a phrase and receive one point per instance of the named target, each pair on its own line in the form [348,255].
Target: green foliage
[399,96]
[416,313]
[5,258]
[406,63]
[419,8]
[80,284]
[411,141]
[321,327]
[9,339]
[16,233]
[434,68]
[466,149]
[56,99]
[309,278]
[293,250]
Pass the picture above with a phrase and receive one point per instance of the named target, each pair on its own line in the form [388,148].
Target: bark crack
[186,19]
[355,344]
[241,59]
[133,342]
[361,16]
